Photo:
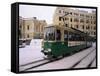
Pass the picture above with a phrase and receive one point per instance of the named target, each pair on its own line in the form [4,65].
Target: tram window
[79,37]
[65,35]
[49,34]
[71,36]
[58,35]
[75,37]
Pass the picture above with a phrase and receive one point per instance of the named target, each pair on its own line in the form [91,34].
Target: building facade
[30,28]
[82,20]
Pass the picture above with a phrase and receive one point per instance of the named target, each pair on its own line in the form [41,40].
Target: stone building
[75,18]
[30,28]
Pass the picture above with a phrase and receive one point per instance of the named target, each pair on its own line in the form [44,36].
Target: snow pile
[31,52]
[36,43]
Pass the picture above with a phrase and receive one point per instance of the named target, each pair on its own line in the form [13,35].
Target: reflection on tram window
[58,35]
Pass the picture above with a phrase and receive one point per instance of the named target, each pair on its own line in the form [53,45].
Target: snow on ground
[66,62]
[31,52]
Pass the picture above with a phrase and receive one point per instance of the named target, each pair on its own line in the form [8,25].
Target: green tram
[62,41]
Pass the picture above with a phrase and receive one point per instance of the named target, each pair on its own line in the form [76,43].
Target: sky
[41,12]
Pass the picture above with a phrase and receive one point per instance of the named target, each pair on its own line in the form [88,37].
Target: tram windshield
[49,33]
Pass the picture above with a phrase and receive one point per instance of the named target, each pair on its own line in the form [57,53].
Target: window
[27,35]
[83,27]
[76,14]
[66,18]
[70,19]
[59,11]
[66,25]
[94,22]
[60,18]
[27,27]
[76,26]
[59,23]
[76,20]
[87,27]
[70,36]
[91,27]
[65,35]
[87,16]
[58,35]
[49,33]
[91,22]
[82,15]
[91,16]
[87,21]
[94,28]
[81,20]
[94,33]
[75,37]
[70,13]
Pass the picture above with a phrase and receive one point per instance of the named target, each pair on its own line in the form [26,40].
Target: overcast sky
[41,12]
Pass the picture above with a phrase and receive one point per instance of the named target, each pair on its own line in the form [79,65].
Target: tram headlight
[49,50]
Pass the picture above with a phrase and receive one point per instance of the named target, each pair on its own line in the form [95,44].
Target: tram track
[78,62]
[33,64]
[42,62]
[89,65]
[36,64]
